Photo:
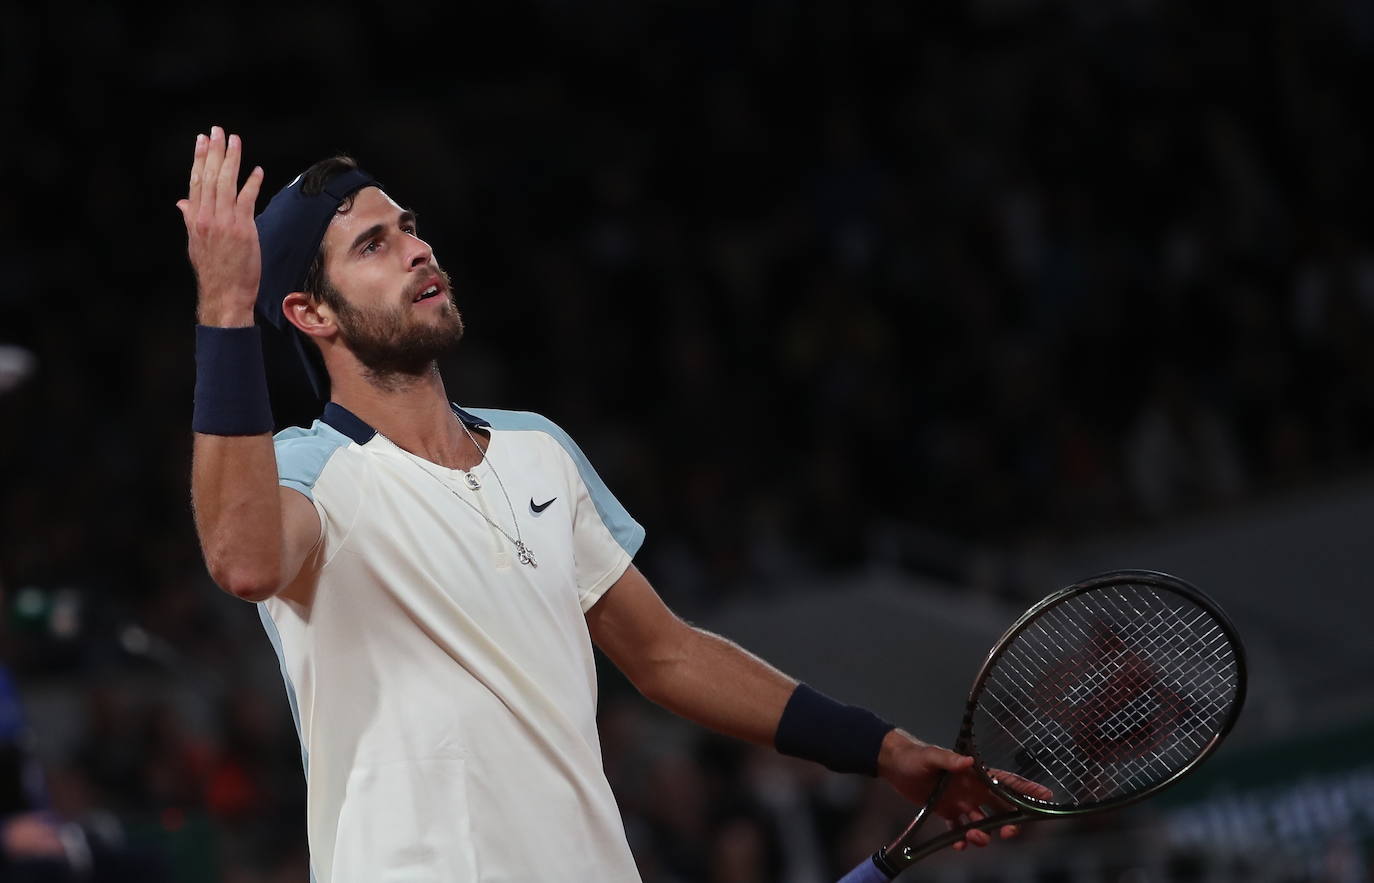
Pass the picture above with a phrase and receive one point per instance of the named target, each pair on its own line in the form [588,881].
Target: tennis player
[433,577]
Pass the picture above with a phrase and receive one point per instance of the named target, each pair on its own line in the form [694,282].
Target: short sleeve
[302,455]
[605,536]
[601,558]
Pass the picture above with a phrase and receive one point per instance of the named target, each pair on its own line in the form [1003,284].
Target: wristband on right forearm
[844,738]
[231,382]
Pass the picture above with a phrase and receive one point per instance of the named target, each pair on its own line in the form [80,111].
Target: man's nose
[420,253]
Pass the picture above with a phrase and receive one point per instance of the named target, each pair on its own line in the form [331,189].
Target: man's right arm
[255,534]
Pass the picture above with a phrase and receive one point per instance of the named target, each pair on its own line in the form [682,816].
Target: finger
[981,839]
[973,817]
[1009,831]
[951,823]
[214,158]
[198,169]
[966,809]
[1022,785]
[228,183]
[248,197]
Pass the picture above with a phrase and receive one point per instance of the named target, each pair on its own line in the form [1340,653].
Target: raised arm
[254,534]
[718,684]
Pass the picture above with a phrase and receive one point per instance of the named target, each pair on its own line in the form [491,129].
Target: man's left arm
[685,669]
[720,685]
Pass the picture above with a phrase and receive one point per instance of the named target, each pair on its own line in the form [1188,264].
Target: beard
[392,344]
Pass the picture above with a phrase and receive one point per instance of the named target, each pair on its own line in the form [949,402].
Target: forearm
[716,683]
[722,686]
[238,512]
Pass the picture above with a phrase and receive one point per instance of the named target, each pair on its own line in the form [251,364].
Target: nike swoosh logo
[536,509]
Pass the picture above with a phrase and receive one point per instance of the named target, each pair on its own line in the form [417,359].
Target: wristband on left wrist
[844,738]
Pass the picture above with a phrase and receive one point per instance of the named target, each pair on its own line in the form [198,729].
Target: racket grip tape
[868,871]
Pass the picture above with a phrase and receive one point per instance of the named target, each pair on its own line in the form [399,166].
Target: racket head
[1107,692]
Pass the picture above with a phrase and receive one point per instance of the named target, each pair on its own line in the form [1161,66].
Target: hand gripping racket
[1105,693]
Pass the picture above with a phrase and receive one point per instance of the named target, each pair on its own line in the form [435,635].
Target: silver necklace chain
[522,551]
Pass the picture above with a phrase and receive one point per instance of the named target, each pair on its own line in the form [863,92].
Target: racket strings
[1107,693]
[1142,705]
[1173,671]
[1107,685]
[1124,696]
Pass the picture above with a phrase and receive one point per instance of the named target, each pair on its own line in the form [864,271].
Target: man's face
[393,303]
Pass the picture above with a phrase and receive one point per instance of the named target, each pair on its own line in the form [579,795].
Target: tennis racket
[1104,693]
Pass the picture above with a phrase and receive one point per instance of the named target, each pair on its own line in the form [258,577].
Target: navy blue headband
[290,230]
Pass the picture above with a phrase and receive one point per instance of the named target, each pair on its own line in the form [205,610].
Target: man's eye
[370,247]
[408,228]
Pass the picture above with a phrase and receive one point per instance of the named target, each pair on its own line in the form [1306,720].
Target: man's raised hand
[222,240]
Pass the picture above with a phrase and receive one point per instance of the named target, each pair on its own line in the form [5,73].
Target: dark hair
[313,179]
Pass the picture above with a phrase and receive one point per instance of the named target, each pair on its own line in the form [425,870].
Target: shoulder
[516,420]
[527,421]
[302,454]
[612,514]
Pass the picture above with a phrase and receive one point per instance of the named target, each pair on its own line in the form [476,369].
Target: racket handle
[868,871]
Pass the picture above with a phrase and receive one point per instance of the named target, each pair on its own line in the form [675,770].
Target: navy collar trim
[472,421]
[345,421]
[351,425]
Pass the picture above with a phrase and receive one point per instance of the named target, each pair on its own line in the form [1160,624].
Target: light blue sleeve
[628,533]
[303,453]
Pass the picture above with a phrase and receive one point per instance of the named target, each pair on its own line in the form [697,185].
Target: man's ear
[311,317]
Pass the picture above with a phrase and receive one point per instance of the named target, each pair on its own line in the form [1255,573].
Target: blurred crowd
[812,283]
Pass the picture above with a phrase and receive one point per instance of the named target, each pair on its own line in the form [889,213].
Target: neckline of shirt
[353,426]
[337,416]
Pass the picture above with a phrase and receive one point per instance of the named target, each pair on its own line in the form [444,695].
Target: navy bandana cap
[290,230]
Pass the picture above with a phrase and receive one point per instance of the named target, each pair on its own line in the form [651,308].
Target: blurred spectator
[1180,452]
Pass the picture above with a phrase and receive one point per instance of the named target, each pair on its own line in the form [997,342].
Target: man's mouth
[433,290]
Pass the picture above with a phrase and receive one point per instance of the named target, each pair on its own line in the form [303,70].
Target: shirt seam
[357,510]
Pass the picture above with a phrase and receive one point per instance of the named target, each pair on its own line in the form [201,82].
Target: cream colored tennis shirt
[445,693]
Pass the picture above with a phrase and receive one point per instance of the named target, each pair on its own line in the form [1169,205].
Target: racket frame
[901,853]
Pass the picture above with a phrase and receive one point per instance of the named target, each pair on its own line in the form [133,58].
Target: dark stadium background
[884,318]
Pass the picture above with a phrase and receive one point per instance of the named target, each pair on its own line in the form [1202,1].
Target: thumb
[948,760]
[182,206]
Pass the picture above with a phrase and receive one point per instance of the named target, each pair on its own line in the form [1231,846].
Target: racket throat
[900,853]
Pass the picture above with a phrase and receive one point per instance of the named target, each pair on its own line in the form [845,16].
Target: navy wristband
[844,738]
[231,382]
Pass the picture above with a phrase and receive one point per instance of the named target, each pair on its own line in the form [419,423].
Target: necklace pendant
[526,556]
[471,480]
